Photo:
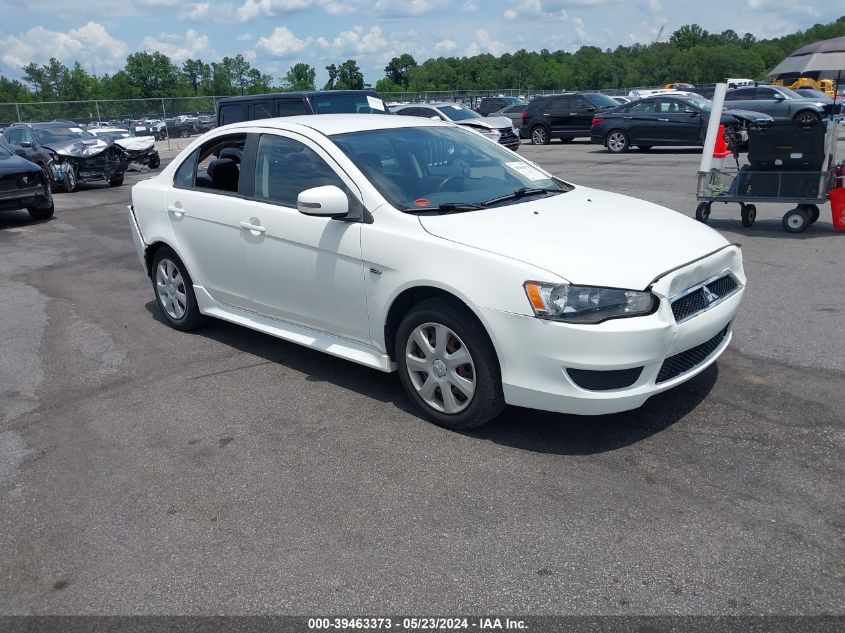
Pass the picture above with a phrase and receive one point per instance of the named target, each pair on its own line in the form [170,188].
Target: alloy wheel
[440,367]
[616,142]
[538,136]
[170,288]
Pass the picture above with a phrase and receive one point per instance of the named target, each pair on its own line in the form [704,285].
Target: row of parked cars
[41,158]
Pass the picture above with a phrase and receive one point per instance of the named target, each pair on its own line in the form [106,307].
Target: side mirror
[26,144]
[328,201]
[778,97]
[435,118]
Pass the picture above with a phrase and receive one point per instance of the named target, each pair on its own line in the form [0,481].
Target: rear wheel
[539,135]
[116,180]
[175,291]
[184,134]
[617,142]
[448,366]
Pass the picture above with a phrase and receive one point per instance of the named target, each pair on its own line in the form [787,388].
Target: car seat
[224,173]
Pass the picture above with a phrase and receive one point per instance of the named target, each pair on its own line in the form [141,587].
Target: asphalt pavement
[149,471]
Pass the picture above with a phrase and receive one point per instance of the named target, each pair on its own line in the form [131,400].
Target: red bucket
[837,207]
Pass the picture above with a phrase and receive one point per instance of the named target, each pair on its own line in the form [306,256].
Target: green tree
[349,76]
[398,67]
[332,70]
[195,71]
[688,36]
[153,74]
[301,76]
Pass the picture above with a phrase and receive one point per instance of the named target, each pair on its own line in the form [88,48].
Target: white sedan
[413,245]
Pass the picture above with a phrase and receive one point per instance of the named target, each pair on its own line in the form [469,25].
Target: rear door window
[260,110]
[231,113]
[559,106]
[291,107]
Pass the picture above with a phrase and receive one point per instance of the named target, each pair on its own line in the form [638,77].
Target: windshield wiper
[455,207]
[519,193]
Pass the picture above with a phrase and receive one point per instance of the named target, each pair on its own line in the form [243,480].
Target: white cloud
[156,3]
[356,42]
[282,43]
[90,44]
[196,11]
[445,46]
[470,6]
[392,8]
[545,9]
[655,5]
[580,29]
[484,43]
[180,47]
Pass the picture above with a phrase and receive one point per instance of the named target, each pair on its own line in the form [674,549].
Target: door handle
[662,119]
[627,117]
[176,210]
[573,114]
[255,228]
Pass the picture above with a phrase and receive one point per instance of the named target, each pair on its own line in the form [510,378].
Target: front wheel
[70,182]
[175,291]
[448,366]
[617,142]
[41,214]
[807,118]
[155,161]
[748,213]
[540,135]
[797,220]
[702,212]
[116,181]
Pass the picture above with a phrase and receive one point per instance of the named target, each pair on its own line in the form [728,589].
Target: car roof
[329,124]
[294,95]
[48,124]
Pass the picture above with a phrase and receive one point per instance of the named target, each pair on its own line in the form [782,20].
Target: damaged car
[139,149]
[24,185]
[75,155]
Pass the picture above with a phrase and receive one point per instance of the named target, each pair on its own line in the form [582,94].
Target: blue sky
[275,34]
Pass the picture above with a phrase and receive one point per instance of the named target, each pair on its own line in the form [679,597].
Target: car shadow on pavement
[769,228]
[16,219]
[525,429]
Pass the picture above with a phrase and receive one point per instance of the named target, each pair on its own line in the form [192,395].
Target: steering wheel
[454,178]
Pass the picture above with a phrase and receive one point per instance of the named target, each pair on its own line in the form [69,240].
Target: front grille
[604,380]
[9,183]
[691,358]
[702,297]
[507,135]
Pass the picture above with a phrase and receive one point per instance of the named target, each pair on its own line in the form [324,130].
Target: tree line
[690,54]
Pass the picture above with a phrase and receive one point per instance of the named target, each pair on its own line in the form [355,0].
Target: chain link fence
[125,112]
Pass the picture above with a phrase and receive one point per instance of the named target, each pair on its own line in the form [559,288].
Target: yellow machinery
[825,85]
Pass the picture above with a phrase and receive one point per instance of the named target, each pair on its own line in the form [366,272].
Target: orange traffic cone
[720,151]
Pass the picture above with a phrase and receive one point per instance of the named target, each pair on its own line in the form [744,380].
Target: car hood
[748,115]
[136,143]
[586,236]
[16,165]
[82,148]
[490,122]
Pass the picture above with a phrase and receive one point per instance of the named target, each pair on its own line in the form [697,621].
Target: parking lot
[148,471]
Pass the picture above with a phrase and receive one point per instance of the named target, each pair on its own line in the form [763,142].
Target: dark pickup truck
[252,107]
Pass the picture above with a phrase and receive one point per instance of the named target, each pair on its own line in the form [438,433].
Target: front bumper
[23,198]
[535,354]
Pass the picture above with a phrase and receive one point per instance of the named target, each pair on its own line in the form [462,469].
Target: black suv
[489,105]
[252,107]
[565,116]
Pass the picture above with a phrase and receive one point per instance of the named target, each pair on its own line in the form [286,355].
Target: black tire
[116,181]
[796,220]
[70,182]
[155,161]
[487,400]
[184,133]
[702,212]
[191,319]
[807,117]
[44,212]
[814,212]
[617,141]
[540,135]
[644,148]
[748,214]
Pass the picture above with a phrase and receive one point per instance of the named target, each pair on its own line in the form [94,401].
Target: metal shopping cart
[793,183]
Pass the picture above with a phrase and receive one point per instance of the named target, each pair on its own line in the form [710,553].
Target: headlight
[586,304]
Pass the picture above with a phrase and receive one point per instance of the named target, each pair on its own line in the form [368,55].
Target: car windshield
[349,103]
[790,93]
[458,113]
[443,168]
[113,136]
[4,152]
[47,135]
[699,102]
[602,101]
